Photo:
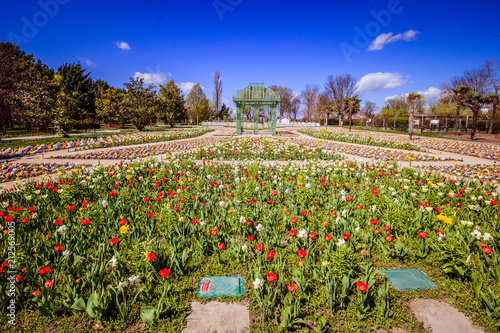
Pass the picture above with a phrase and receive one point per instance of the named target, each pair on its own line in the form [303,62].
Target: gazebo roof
[256,93]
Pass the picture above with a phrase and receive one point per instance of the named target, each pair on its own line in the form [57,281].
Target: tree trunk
[411,124]
[326,120]
[495,105]
[457,119]
[473,127]
[350,116]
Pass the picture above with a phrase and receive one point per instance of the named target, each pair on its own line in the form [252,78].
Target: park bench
[42,128]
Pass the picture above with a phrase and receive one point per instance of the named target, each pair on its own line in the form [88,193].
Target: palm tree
[412,99]
[460,93]
[494,100]
[353,103]
[474,100]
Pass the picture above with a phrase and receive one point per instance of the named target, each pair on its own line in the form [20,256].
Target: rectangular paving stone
[408,279]
[220,286]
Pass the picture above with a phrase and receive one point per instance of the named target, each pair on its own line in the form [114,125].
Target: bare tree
[369,109]
[478,84]
[324,106]
[339,88]
[286,96]
[412,98]
[309,97]
[295,107]
[492,68]
[217,96]
[353,104]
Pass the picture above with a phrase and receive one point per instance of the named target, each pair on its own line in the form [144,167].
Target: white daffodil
[65,254]
[113,262]
[259,227]
[476,234]
[134,279]
[242,219]
[244,248]
[62,229]
[258,283]
[122,285]
[487,237]
[341,242]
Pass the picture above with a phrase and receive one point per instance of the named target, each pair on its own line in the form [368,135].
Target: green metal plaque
[408,279]
[220,286]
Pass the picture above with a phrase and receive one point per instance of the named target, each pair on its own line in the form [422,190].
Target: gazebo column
[238,119]
[273,120]
[255,111]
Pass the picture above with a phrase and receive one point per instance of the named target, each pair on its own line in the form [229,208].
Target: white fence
[215,123]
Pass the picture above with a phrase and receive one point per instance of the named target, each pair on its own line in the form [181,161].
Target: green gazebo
[256,97]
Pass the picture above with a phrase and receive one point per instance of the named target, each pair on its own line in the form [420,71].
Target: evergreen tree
[170,104]
[138,103]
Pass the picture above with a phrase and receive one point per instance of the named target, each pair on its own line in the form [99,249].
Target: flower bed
[14,171]
[388,141]
[368,152]
[256,149]
[105,141]
[127,243]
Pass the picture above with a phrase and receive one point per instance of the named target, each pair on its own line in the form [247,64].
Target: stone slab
[441,317]
[218,317]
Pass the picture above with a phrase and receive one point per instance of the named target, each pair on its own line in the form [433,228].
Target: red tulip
[302,253]
[346,236]
[194,221]
[270,254]
[150,257]
[151,214]
[294,220]
[293,233]
[213,232]
[389,238]
[221,246]
[58,222]
[486,250]
[86,222]
[304,214]
[259,247]
[362,286]
[312,235]
[112,193]
[387,228]
[362,251]
[483,244]
[164,273]
[422,234]
[251,238]
[44,270]
[114,241]
[271,277]
[58,248]
[19,278]
[49,284]
[373,221]
[291,287]
[328,238]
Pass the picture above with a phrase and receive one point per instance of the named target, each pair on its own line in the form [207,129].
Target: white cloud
[387,38]
[186,87]
[430,94]
[374,82]
[152,78]
[89,62]
[122,45]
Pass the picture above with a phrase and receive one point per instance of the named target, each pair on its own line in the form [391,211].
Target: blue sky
[392,47]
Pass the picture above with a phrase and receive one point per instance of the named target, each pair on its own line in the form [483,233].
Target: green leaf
[91,304]
[79,305]
[148,314]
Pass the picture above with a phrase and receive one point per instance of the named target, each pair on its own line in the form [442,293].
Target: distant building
[284,120]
